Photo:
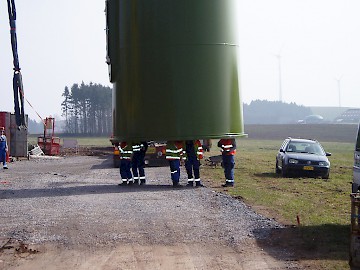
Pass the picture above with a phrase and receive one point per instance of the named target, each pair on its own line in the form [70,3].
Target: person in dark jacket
[194,152]
[125,150]
[138,162]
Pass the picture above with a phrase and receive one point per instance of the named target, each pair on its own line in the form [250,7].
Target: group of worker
[132,161]
[191,152]
[3,147]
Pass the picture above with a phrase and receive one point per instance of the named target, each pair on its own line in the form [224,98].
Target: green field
[322,206]
[82,141]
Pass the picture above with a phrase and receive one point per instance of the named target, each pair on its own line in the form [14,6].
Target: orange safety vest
[228,146]
[199,149]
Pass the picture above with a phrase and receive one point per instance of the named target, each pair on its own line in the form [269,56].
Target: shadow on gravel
[323,242]
[108,162]
[82,190]
[105,164]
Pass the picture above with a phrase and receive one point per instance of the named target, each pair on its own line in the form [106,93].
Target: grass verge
[322,207]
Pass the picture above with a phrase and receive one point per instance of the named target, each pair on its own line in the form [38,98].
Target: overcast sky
[63,42]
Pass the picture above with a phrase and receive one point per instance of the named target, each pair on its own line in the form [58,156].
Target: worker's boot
[124,183]
[130,182]
[228,184]
[136,181]
[190,183]
[198,183]
[176,184]
[142,180]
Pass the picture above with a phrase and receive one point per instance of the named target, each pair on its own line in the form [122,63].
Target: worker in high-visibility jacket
[228,150]
[138,162]
[3,147]
[174,154]
[194,153]
[125,152]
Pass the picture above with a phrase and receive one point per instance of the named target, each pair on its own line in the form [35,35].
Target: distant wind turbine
[339,88]
[278,56]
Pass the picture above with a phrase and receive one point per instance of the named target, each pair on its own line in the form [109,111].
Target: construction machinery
[17,78]
[48,143]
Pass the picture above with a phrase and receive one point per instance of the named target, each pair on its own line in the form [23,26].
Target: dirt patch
[86,151]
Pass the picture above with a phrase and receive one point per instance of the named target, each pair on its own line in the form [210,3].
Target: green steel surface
[175,69]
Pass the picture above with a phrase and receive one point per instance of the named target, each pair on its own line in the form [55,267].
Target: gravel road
[69,213]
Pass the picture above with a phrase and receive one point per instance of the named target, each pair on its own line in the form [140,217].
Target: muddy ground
[69,213]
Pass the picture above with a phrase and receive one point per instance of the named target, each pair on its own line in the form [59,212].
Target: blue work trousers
[125,169]
[192,164]
[3,157]
[229,165]
[175,170]
[137,165]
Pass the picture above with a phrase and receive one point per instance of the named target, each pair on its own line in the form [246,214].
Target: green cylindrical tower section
[175,69]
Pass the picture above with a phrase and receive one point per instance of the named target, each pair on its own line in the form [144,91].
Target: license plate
[308,168]
[151,150]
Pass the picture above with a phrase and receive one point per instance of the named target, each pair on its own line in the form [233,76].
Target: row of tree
[87,109]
